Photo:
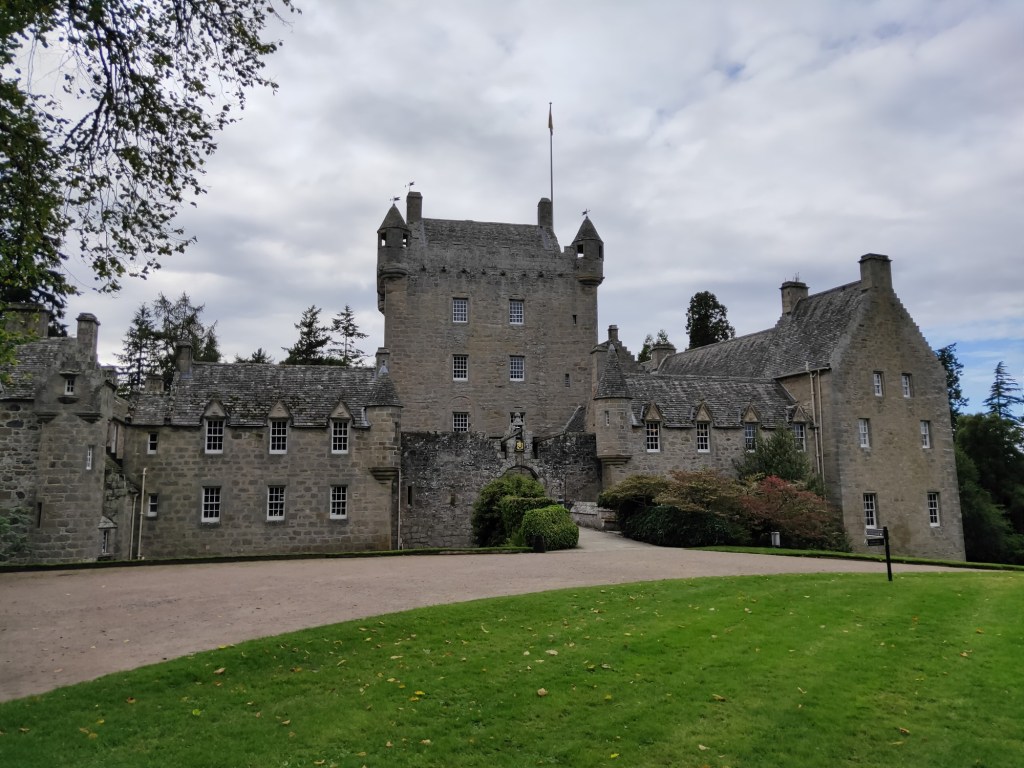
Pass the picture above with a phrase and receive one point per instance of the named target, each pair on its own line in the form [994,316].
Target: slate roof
[578,421]
[809,336]
[248,391]
[476,242]
[727,399]
[35,362]
[613,380]
[587,231]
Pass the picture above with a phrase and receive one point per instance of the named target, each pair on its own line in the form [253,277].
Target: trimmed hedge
[553,524]
[513,508]
[669,526]
[488,526]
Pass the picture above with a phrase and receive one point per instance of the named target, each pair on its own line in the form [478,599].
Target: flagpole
[551,154]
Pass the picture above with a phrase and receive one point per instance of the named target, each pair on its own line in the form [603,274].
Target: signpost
[876,537]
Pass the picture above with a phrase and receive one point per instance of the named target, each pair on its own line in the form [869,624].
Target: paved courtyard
[63,627]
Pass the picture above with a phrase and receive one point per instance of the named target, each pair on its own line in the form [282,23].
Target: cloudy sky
[722,146]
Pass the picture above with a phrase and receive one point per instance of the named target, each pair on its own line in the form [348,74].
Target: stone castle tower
[486,321]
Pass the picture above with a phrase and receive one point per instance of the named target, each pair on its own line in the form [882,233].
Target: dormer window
[339,436]
[703,437]
[214,435]
[69,386]
[652,436]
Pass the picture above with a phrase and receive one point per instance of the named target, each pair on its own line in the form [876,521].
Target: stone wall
[442,474]
[20,435]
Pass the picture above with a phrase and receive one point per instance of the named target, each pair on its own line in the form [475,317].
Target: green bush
[488,526]
[669,526]
[512,509]
[803,519]
[632,495]
[553,524]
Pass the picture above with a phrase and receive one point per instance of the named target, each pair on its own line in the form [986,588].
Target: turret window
[383,239]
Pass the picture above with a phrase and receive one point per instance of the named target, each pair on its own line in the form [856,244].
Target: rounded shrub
[488,526]
[513,508]
[553,525]
[669,526]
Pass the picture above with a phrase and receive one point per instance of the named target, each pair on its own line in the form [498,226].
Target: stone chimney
[659,352]
[27,319]
[792,292]
[613,334]
[154,384]
[875,272]
[383,357]
[183,358]
[413,207]
[545,213]
[88,335]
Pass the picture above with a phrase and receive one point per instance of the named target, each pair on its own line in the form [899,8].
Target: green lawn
[816,671]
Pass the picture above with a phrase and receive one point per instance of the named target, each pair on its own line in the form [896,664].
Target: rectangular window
[460,310]
[88,458]
[152,505]
[339,502]
[516,368]
[878,383]
[105,541]
[864,432]
[339,436]
[275,502]
[749,436]
[567,380]
[279,435]
[460,421]
[703,437]
[460,367]
[607,418]
[652,431]
[933,509]
[211,504]
[800,436]
[870,511]
[515,311]
[151,442]
[69,385]
[215,435]
[908,385]
[926,434]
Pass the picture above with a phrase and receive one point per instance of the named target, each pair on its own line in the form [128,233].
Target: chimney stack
[875,272]
[27,319]
[183,359]
[545,213]
[88,335]
[792,292]
[413,208]
[613,334]
[383,356]
[659,352]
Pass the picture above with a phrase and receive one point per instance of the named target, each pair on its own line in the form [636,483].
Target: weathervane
[395,199]
[586,212]
[408,187]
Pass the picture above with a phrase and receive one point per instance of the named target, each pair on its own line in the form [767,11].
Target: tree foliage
[707,320]
[347,335]
[314,338]
[147,85]
[777,455]
[954,369]
[1004,395]
[488,524]
[259,356]
[650,341]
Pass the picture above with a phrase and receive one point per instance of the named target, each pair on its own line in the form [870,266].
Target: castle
[491,365]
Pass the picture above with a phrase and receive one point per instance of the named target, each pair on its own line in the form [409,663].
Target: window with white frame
[799,430]
[703,437]
[339,436]
[211,504]
[339,502]
[878,383]
[460,310]
[870,510]
[933,509]
[749,436]
[460,367]
[279,435]
[105,541]
[89,451]
[215,435]
[69,385]
[151,442]
[926,434]
[652,434]
[516,311]
[153,505]
[516,368]
[460,421]
[907,383]
[275,502]
[864,432]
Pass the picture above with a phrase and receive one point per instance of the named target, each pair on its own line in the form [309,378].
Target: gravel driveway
[63,627]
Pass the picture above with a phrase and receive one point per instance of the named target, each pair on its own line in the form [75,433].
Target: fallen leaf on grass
[542,692]
[702,748]
[716,697]
[551,652]
[219,671]
[904,731]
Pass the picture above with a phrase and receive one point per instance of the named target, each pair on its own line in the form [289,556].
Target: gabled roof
[248,391]
[810,336]
[678,399]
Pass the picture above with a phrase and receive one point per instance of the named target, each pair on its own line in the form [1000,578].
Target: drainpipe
[142,512]
[131,534]
[400,506]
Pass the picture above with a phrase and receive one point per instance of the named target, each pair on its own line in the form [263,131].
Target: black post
[888,557]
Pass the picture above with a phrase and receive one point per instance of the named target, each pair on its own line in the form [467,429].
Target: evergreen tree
[1004,395]
[707,320]
[993,444]
[777,456]
[954,368]
[649,343]
[138,356]
[314,338]
[259,356]
[347,335]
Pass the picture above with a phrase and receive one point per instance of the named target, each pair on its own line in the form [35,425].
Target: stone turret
[589,249]
[393,246]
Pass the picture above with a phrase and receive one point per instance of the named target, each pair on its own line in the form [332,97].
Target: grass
[834,555]
[820,670]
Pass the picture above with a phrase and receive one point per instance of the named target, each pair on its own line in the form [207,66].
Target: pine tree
[138,358]
[347,333]
[650,342]
[311,346]
[957,401]
[1004,395]
[259,356]
[707,320]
